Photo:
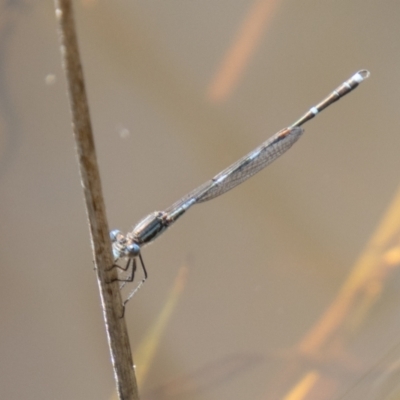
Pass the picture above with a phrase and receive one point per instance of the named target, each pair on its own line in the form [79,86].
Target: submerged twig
[109,292]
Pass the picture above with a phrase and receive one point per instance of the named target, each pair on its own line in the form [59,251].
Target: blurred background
[286,287]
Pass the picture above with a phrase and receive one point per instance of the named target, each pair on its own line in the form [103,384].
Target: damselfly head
[123,246]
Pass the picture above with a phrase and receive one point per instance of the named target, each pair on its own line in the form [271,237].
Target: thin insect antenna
[339,92]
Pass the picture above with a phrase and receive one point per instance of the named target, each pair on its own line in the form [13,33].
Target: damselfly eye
[114,235]
[132,250]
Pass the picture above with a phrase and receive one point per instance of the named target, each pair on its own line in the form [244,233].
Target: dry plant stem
[110,296]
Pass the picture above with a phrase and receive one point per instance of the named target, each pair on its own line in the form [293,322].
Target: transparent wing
[242,169]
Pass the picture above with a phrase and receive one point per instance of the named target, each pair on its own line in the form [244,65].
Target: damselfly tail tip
[361,75]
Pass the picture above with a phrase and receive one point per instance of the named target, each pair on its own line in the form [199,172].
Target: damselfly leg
[131,276]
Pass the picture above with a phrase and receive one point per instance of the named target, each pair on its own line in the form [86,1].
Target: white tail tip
[361,75]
